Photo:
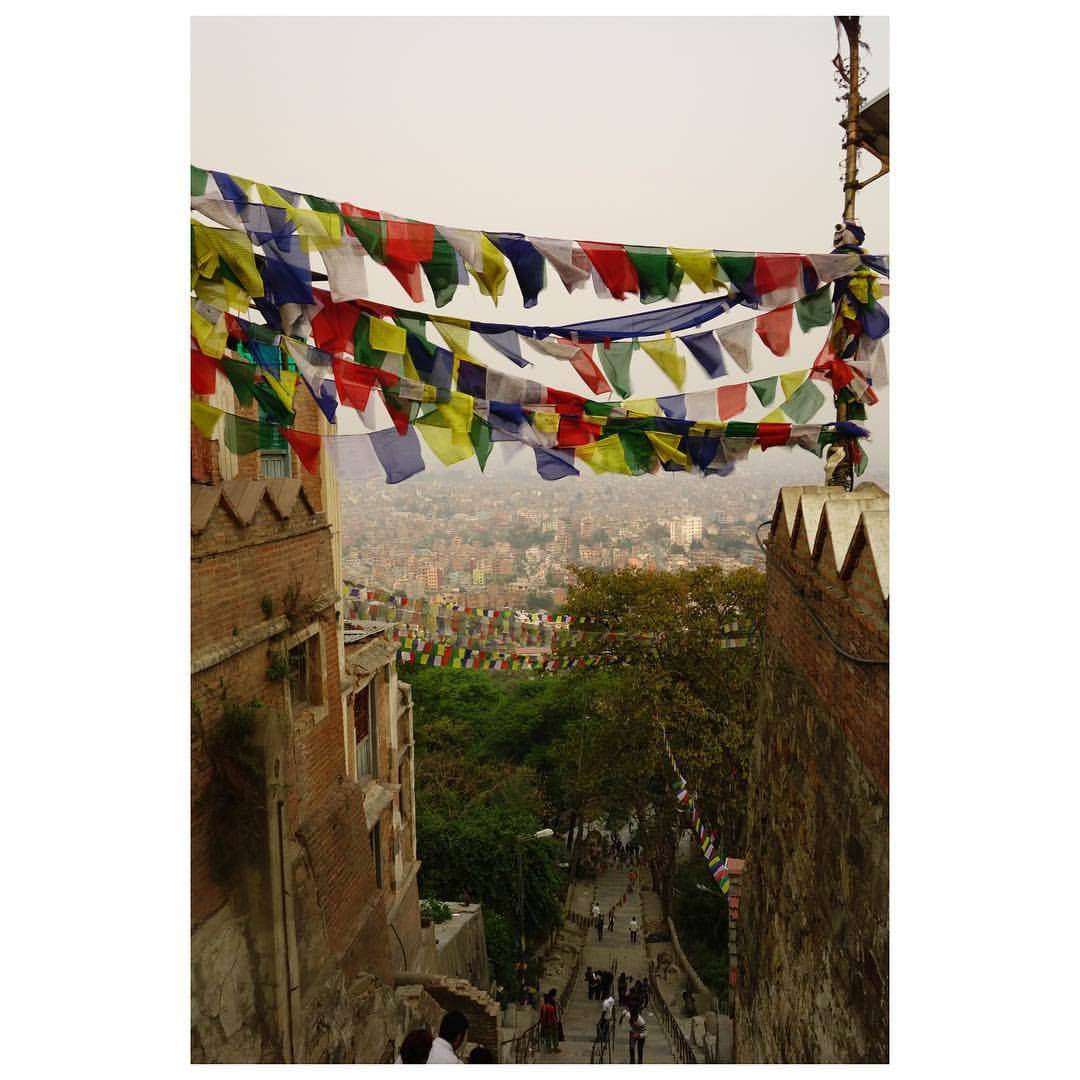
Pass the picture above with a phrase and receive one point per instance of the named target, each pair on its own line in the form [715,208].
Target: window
[304,679]
[274,457]
[366,730]
[375,836]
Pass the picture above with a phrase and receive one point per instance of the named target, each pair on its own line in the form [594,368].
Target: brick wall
[812,981]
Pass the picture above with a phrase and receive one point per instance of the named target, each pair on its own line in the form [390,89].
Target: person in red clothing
[549,1023]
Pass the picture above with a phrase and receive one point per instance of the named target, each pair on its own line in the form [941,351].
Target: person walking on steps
[599,927]
[607,1016]
[632,926]
[622,988]
[637,1031]
[588,981]
[549,1023]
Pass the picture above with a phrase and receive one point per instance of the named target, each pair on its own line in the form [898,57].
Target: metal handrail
[680,1045]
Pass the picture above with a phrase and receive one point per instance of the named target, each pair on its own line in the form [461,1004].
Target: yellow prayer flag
[455,335]
[666,446]
[667,358]
[493,275]
[317,229]
[791,382]
[204,417]
[448,446]
[458,412]
[212,337]
[545,421]
[699,265]
[775,417]
[285,387]
[234,247]
[642,407]
[409,368]
[385,336]
[605,455]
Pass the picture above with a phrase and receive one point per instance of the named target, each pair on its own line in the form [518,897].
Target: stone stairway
[581,1015]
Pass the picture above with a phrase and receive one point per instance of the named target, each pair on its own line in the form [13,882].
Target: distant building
[684,530]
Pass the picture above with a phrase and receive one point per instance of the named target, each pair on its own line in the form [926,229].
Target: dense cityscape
[514,541]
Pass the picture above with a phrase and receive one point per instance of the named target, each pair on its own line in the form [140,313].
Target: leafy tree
[672,674]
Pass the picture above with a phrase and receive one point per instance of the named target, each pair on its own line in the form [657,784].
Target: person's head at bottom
[415,1047]
[453,1028]
[481,1055]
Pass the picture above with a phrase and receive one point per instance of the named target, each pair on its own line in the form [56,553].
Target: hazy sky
[696,132]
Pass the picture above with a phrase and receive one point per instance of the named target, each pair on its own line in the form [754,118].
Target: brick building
[813,956]
[303,867]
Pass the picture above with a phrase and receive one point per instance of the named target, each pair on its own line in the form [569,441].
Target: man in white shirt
[452,1033]
[633,928]
[595,910]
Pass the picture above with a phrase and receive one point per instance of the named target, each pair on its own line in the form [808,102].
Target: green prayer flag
[243,436]
[615,360]
[324,206]
[864,460]
[814,310]
[740,429]
[271,406]
[241,376]
[598,408]
[371,233]
[480,433]
[637,450]
[739,268]
[765,390]
[441,270]
[659,275]
[804,403]
[198,181]
[856,410]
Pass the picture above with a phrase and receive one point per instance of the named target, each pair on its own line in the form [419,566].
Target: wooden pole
[844,473]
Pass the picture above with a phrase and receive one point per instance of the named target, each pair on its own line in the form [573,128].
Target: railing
[681,1049]
[522,1049]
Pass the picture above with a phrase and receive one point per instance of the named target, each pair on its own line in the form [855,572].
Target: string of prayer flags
[345,235]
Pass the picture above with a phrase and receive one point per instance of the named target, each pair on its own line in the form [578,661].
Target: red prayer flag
[730,400]
[565,401]
[583,363]
[773,435]
[409,241]
[399,416]
[203,373]
[408,277]
[306,444]
[333,327]
[614,267]
[354,383]
[774,328]
[773,272]
[575,431]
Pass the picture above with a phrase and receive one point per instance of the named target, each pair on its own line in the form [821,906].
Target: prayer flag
[354,383]
[700,266]
[306,444]
[773,434]
[204,417]
[454,334]
[441,270]
[385,336]
[241,376]
[399,455]
[615,359]
[605,455]
[614,267]
[790,382]
[730,400]
[468,244]
[554,464]
[737,340]
[583,363]
[658,273]
[814,310]
[765,390]
[667,358]
[706,350]
[527,262]
[774,329]
[570,262]
[492,275]
[507,343]
[203,373]
[804,403]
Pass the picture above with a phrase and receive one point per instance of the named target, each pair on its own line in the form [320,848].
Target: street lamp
[542,834]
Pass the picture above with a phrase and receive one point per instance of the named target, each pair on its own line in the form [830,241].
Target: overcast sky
[695,132]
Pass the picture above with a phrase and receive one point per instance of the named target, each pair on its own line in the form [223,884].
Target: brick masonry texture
[813,934]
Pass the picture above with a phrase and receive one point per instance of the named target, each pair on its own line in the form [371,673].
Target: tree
[671,673]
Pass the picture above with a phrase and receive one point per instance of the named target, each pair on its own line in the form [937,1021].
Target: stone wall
[461,947]
[813,922]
